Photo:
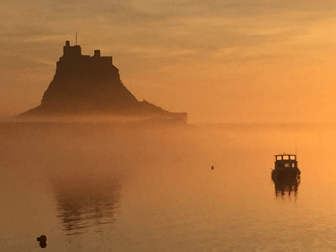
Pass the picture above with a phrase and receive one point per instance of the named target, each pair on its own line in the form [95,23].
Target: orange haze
[227,61]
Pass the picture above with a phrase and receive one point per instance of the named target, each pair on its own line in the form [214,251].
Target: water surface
[115,187]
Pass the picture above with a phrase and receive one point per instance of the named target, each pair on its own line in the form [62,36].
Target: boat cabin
[285,161]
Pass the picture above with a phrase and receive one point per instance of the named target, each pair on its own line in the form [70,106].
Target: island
[85,85]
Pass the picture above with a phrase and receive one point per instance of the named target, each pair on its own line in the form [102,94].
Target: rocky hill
[91,85]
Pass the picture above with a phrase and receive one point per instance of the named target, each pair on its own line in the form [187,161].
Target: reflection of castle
[84,205]
[286,186]
[91,85]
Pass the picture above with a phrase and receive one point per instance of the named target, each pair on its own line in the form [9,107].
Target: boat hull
[285,174]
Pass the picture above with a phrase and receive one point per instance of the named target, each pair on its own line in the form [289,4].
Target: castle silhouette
[91,85]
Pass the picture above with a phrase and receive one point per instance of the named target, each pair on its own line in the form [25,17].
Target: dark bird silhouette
[42,241]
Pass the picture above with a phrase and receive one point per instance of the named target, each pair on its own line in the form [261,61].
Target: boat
[285,167]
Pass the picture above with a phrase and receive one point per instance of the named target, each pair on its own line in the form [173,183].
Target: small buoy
[212,167]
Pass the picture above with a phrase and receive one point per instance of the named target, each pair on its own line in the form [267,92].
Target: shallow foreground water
[131,187]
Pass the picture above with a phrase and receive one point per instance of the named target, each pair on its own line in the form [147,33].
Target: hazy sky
[220,61]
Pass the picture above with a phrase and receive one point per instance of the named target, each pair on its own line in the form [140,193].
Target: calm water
[104,187]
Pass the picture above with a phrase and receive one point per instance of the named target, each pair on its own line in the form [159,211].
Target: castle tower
[71,51]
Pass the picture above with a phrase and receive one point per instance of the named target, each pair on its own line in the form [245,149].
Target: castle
[91,85]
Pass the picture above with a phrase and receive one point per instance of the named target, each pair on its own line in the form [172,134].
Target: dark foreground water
[108,187]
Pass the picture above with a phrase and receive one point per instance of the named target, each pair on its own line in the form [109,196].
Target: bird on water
[42,240]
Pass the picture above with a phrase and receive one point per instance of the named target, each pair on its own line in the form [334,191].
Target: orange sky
[220,61]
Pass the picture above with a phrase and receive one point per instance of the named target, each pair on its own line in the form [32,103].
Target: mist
[140,186]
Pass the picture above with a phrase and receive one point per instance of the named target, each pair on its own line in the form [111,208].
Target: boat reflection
[286,186]
[85,204]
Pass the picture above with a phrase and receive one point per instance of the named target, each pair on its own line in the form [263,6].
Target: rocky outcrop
[85,85]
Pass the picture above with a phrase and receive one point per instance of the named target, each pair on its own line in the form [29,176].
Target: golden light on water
[264,67]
